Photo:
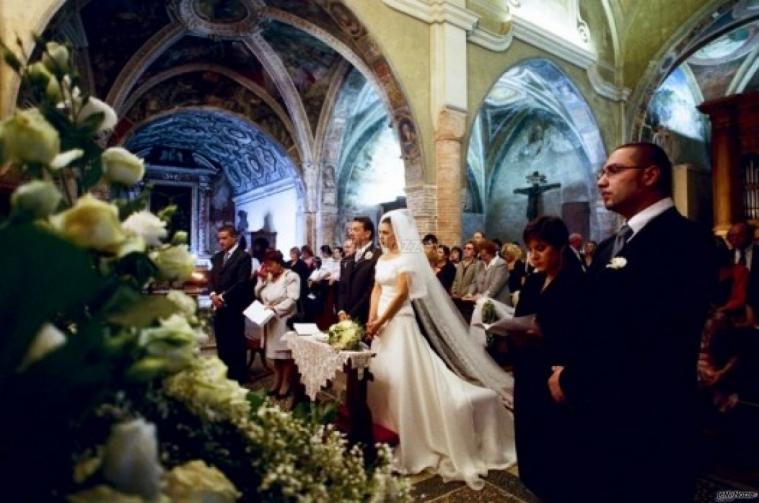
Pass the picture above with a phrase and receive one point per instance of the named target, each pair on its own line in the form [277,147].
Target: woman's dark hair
[446,251]
[488,246]
[326,249]
[387,221]
[367,224]
[341,250]
[552,230]
[295,250]
[307,249]
[457,249]
[274,256]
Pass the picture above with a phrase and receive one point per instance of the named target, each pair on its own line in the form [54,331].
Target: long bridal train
[445,424]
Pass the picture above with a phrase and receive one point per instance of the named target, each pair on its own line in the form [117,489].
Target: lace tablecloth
[318,362]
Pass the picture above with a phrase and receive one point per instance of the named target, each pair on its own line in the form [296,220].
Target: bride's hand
[372,327]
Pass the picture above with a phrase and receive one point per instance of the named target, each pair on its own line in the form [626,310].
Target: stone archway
[328,22]
[534,119]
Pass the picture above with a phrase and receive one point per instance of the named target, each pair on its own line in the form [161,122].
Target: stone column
[449,132]
[311,181]
[204,217]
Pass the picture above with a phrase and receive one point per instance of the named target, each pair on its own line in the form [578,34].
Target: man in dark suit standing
[632,381]
[231,293]
[357,274]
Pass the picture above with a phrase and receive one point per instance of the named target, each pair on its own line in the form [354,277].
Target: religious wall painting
[181,196]
[115,30]
[408,138]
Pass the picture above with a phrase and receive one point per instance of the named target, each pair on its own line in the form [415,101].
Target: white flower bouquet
[346,335]
[106,395]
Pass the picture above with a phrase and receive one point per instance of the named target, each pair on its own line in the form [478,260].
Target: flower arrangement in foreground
[345,335]
[105,395]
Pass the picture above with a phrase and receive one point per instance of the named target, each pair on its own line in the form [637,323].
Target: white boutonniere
[617,263]
[368,255]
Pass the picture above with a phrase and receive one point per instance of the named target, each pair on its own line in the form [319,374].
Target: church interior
[288,118]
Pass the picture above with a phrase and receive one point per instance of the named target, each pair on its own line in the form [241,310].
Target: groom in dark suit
[231,293]
[632,382]
[357,273]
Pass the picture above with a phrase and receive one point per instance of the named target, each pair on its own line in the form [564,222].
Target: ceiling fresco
[248,158]
[115,30]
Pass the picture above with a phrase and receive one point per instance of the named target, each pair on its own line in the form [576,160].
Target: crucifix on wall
[537,187]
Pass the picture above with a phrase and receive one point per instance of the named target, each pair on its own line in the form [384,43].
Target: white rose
[122,166]
[174,263]
[132,244]
[147,226]
[38,198]
[186,304]
[130,461]
[195,481]
[56,57]
[47,339]
[29,137]
[94,106]
[91,223]
[617,263]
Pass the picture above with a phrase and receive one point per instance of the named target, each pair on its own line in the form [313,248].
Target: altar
[319,363]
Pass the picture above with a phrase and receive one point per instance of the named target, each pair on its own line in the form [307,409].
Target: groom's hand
[555,387]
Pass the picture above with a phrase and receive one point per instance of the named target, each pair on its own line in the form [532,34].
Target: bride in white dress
[445,424]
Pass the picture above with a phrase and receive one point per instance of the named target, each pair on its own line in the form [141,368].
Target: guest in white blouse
[279,291]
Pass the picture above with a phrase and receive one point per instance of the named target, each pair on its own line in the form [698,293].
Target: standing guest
[444,269]
[499,246]
[492,279]
[429,242]
[357,273]
[575,243]
[466,271]
[299,267]
[307,256]
[349,248]
[230,295]
[478,237]
[588,250]
[543,428]
[330,265]
[633,380]
[512,255]
[279,291]
[456,253]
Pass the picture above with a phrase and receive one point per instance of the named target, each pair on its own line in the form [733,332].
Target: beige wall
[20,18]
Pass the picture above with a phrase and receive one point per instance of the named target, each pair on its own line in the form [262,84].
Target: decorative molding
[438,11]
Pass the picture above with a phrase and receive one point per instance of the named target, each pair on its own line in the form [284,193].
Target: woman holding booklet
[551,294]
[279,292]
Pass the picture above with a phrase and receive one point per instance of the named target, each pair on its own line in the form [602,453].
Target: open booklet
[258,314]
[516,325]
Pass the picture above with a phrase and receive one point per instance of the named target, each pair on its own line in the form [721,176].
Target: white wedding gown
[445,424]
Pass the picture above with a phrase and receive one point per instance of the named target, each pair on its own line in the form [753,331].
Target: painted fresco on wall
[308,61]
[533,119]
[209,89]
[674,107]
[115,30]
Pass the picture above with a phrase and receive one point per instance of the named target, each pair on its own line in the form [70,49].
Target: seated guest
[279,291]
[444,269]
[512,254]
[456,253]
[588,250]
[330,265]
[543,428]
[498,247]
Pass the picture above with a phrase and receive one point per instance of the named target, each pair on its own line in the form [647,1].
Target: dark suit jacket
[753,280]
[633,379]
[356,283]
[232,279]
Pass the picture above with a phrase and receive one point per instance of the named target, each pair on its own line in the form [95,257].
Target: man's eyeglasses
[615,169]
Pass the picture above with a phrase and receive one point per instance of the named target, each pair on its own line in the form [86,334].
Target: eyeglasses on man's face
[614,169]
